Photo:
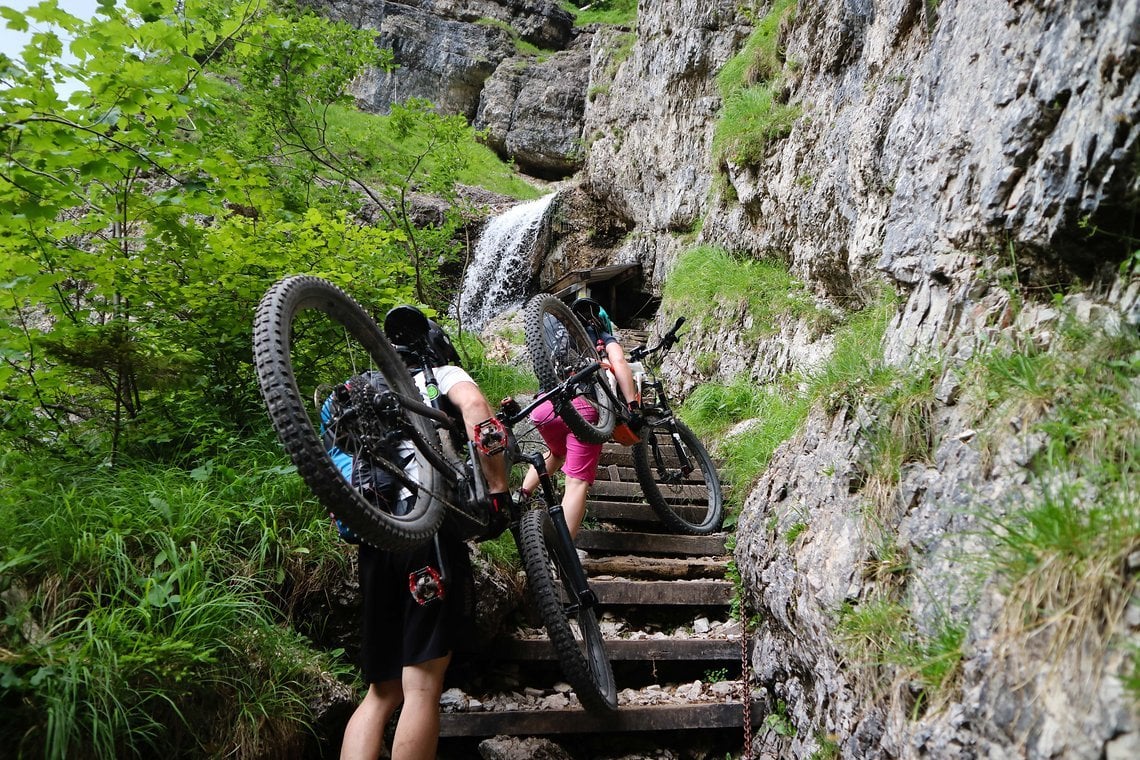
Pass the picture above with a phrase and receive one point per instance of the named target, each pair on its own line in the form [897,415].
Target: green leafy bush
[144,606]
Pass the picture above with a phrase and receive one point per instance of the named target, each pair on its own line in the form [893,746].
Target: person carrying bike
[418,603]
[601,330]
[402,326]
[579,459]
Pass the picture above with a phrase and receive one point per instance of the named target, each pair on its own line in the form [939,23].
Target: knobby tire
[297,303]
[582,655]
[559,347]
[671,494]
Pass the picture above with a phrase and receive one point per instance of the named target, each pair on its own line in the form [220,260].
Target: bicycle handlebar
[668,340]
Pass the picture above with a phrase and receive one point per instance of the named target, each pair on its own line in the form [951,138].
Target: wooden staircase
[649,584]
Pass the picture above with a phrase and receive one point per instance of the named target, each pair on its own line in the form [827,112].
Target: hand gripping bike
[312,343]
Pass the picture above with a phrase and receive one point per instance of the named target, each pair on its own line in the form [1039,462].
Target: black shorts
[396,629]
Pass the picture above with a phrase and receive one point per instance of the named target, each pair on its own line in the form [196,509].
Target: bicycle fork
[567,557]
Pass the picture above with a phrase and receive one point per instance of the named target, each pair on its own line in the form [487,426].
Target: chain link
[745,679]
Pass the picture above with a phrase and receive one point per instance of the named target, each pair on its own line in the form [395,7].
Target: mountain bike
[328,374]
[674,469]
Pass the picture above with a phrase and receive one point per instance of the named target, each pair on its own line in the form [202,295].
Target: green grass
[753,117]
[760,59]
[710,276]
[1063,555]
[751,120]
[503,552]
[879,634]
[147,606]
[369,138]
[615,12]
[778,410]
[496,380]
[902,432]
[523,47]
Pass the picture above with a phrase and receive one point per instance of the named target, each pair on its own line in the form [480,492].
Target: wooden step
[702,715]
[663,593]
[620,650]
[633,491]
[652,543]
[633,512]
[616,473]
[657,568]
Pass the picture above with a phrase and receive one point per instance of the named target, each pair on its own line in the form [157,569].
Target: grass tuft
[753,115]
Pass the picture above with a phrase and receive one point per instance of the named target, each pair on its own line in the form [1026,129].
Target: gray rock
[532,112]
[529,748]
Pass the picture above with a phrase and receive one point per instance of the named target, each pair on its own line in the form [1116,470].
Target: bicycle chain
[745,679]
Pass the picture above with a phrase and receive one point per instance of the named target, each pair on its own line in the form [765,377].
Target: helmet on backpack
[412,333]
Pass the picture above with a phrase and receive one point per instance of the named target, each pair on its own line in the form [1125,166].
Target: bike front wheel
[559,347]
[310,337]
[678,477]
[572,628]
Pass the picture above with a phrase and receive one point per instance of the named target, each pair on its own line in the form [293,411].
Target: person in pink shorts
[578,460]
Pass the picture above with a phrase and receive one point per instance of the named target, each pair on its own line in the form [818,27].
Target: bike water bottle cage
[426,584]
[490,436]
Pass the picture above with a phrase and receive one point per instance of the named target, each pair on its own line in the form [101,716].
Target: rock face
[532,111]
[945,146]
[463,56]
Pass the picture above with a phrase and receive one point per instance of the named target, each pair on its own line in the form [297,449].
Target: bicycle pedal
[425,585]
[491,436]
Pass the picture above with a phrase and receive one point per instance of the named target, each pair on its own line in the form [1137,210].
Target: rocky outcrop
[969,154]
[463,56]
[650,119]
[532,111]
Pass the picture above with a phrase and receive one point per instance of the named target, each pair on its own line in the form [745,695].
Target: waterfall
[501,267]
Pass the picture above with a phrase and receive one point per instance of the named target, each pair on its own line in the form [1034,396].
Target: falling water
[497,277]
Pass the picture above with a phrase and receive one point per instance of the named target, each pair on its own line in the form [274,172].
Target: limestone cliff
[980,157]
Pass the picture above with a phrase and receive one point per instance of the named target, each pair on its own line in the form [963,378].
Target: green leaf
[15,19]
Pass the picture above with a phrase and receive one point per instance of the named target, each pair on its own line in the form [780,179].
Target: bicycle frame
[465,479]
[660,409]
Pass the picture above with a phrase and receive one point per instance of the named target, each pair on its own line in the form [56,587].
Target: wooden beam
[620,650]
[633,718]
[705,592]
[652,543]
[657,568]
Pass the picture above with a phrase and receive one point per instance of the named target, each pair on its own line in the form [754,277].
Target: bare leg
[574,503]
[364,734]
[417,731]
[616,354]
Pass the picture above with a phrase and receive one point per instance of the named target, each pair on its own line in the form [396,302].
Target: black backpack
[411,332]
